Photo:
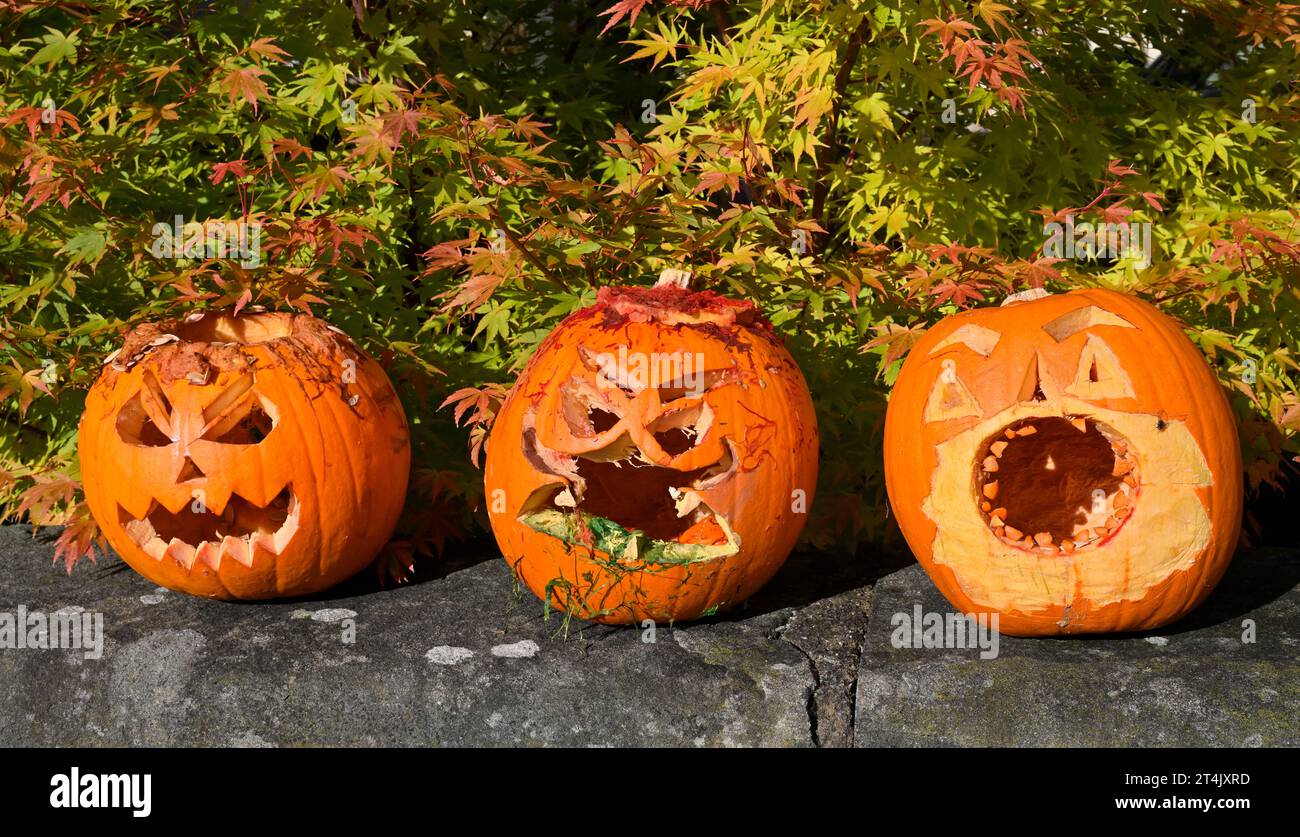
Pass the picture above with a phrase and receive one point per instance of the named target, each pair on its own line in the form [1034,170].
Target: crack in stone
[810,701]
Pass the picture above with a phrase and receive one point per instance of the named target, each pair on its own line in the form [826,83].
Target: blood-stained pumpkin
[655,460]
[244,457]
[1069,462]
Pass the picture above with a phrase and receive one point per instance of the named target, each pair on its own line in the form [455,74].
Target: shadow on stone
[812,576]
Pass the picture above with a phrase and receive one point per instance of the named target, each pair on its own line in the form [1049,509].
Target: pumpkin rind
[1106,362]
[334,458]
[751,464]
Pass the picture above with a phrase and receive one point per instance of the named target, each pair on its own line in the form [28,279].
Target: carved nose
[189,471]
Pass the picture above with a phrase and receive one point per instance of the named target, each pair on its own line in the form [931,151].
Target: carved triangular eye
[146,418]
[977,338]
[950,399]
[237,416]
[1100,374]
[583,409]
[1081,319]
[688,386]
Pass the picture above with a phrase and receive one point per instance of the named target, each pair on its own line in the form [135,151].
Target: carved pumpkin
[655,459]
[1067,461]
[244,457]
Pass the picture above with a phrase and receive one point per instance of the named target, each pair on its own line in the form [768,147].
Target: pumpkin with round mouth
[1068,462]
[249,456]
[655,459]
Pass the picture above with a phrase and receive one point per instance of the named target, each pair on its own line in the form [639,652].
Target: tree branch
[834,148]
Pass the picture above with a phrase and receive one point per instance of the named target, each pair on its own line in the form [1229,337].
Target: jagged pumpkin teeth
[236,549]
[986,506]
[1119,500]
[1043,538]
[1028,542]
[990,490]
[1013,533]
[1010,434]
[1000,512]
[1067,546]
[209,554]
[180,552]
[1080,424]
[1122,467]
[997,448]
[996,522]
[1000,532]
[990,463]
[1027,430]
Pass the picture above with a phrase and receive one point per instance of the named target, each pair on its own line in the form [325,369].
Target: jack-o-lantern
[655,459]
[244,457]
[1069,462]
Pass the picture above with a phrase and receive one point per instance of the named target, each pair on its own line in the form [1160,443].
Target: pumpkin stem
[672,277]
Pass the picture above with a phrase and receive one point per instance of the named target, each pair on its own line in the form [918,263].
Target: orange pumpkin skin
[751,463]
[1105,364]
[244,457]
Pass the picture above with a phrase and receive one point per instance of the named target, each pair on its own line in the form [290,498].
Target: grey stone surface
[462,658]
[457,659]
[1196,683]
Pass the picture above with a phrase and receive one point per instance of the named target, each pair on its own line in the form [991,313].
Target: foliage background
[446,180]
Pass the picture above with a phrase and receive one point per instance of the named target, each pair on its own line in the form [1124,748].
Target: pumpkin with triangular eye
[655,460]
[1069,462]
[247,456]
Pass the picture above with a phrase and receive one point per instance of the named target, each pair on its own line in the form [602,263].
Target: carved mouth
[615,501]
[242,528]
[1056,485]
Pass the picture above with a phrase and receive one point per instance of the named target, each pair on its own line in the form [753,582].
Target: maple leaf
[245,82]
[237,168]
[947,30]
[473,292]
[527,128]
[481,404]
[624,8]
[80,537]
[33,118]
[265,48]
[157,74]
[395,563]
[714,181]
[154,115]
[1116,213]
[326,179]
[48,493]
[291,147]
[962,294]
[897,339]
[24,382]
[1120,170]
